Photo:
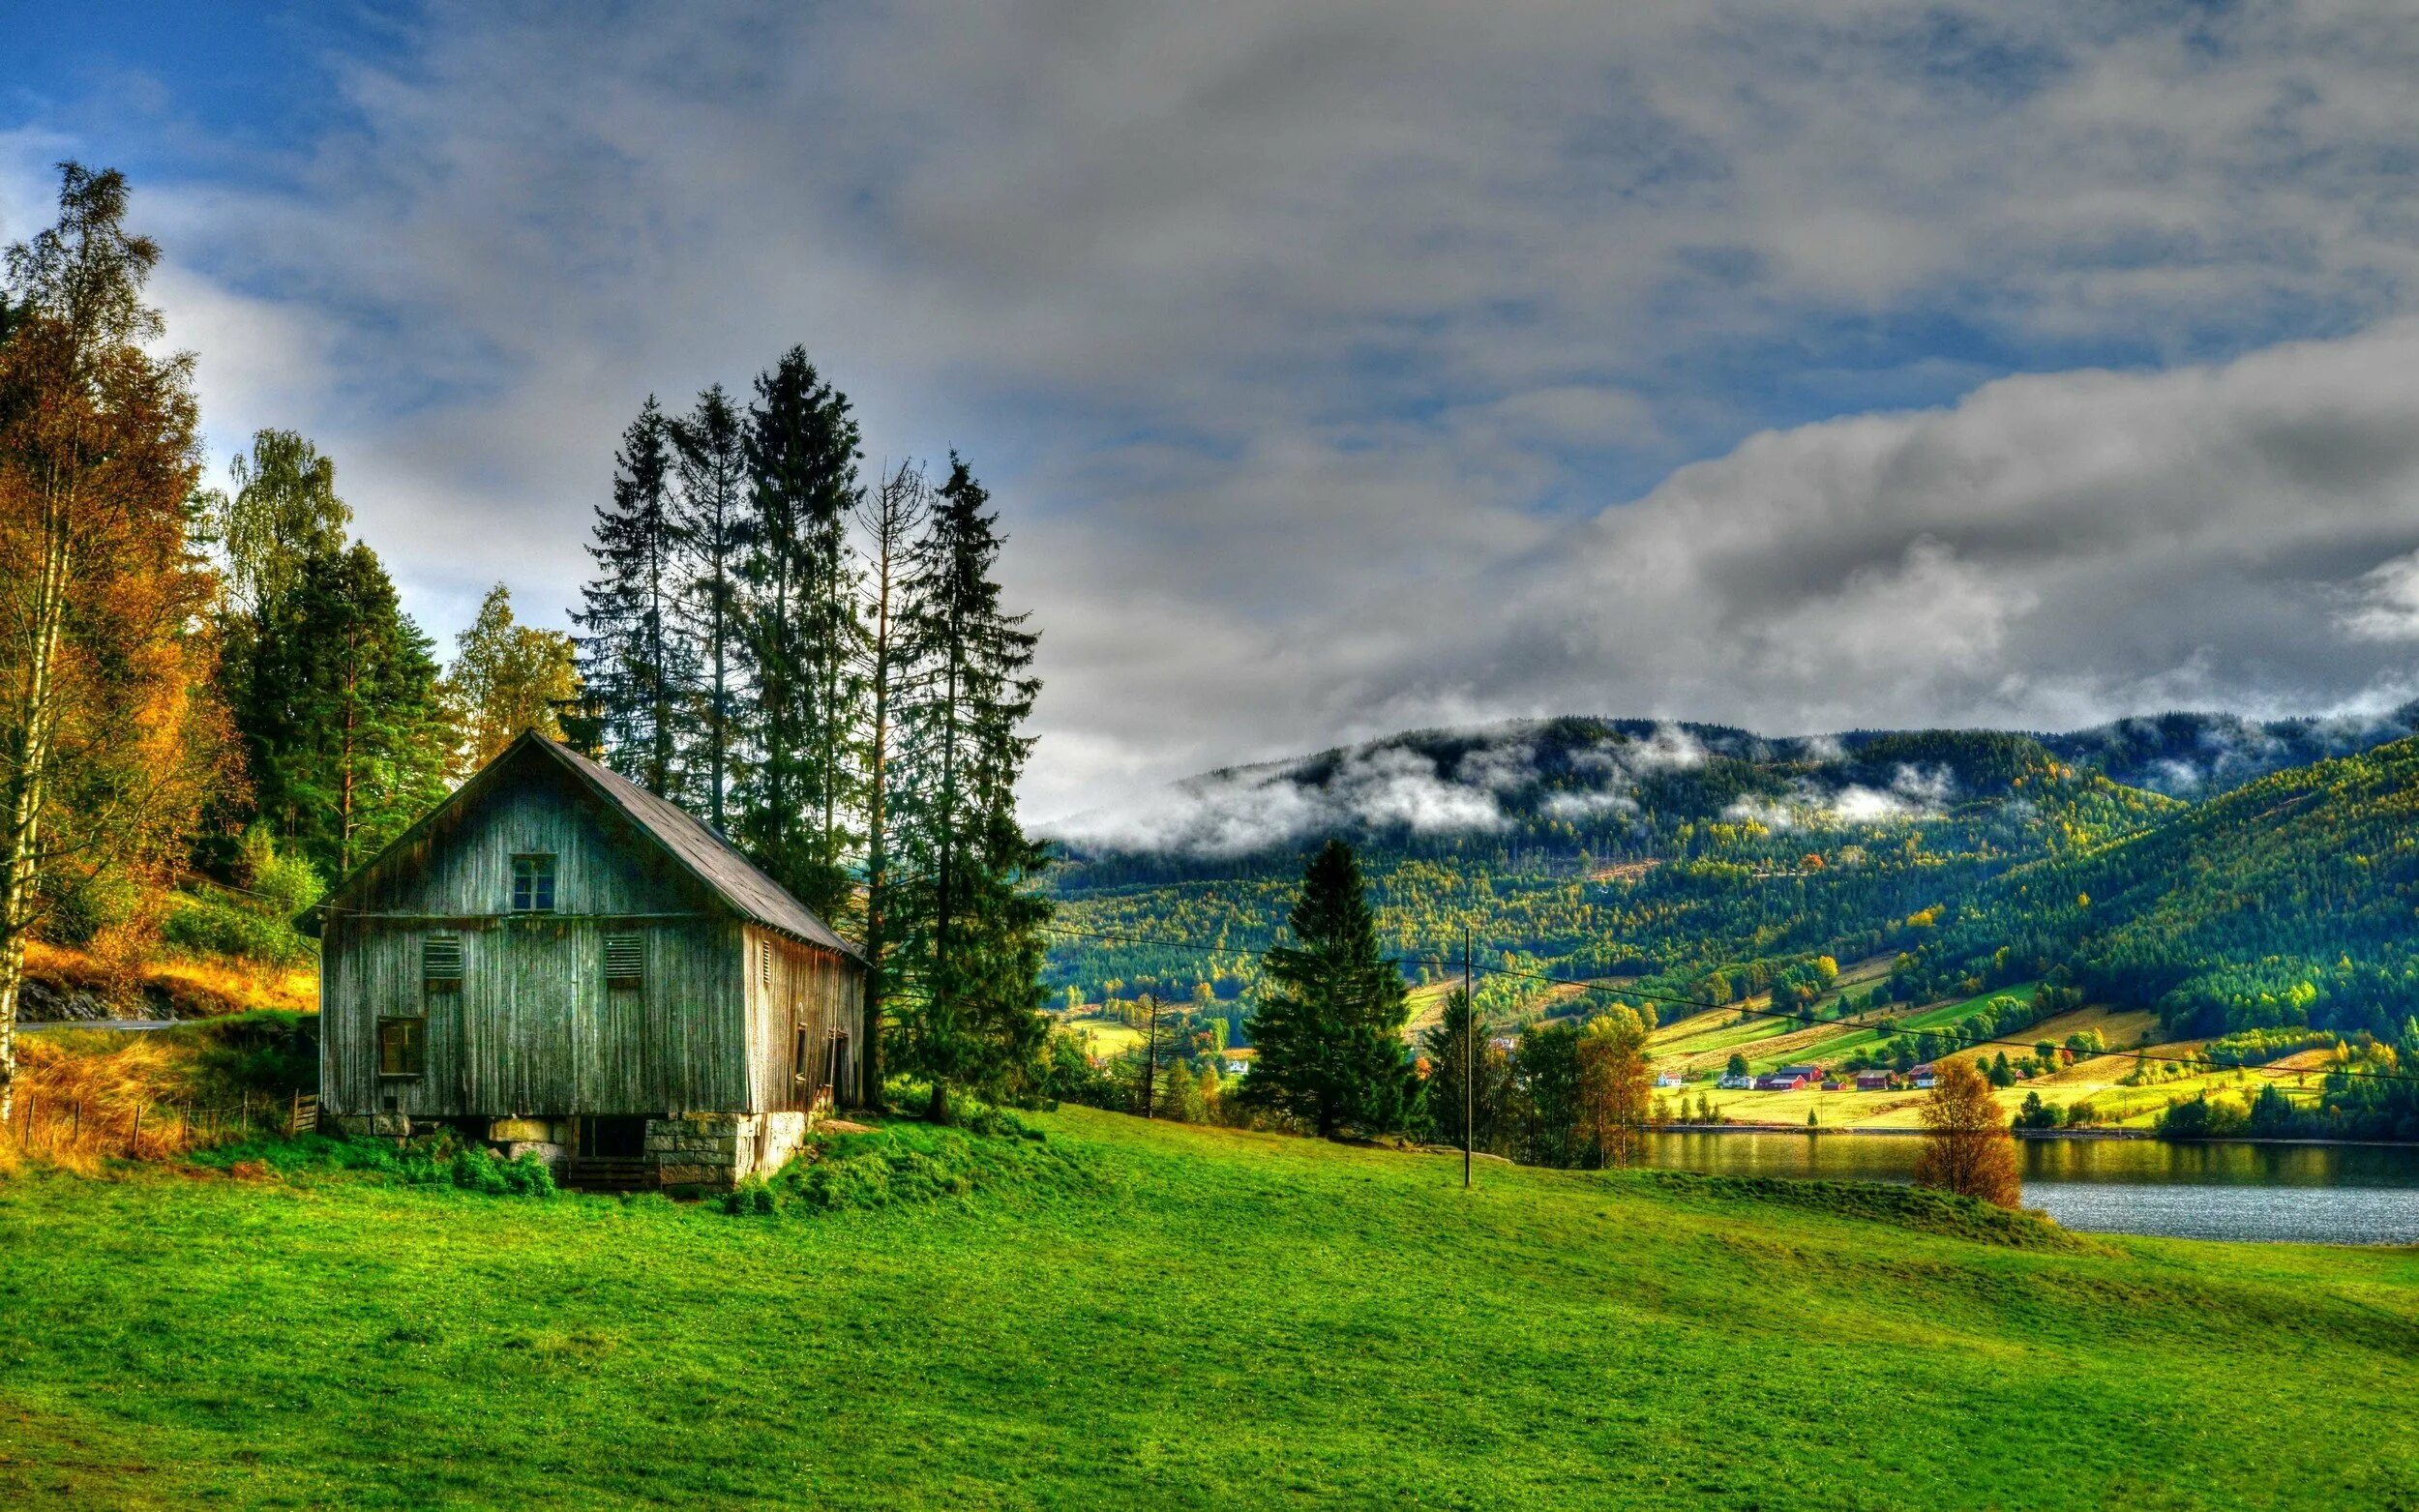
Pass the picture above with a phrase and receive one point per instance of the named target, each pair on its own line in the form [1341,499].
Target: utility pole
[1151,1052]
[1468,1054]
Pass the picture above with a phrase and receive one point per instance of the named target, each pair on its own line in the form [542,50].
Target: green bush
[80,907]
[255,919]
[439,1159]
[214,926]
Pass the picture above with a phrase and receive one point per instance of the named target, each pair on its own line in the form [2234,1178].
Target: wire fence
[135,1127]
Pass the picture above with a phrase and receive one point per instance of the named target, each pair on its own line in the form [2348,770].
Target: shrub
[214,926]
[439,1159]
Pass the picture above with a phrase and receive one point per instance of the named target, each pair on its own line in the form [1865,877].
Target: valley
[1864,901]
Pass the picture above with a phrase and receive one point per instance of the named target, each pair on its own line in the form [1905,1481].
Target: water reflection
[2326,1194]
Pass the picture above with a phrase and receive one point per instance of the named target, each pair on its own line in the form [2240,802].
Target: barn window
[625,961]
[799,1064]
[402,1047]
[440,962]
[533,884]
[764,962]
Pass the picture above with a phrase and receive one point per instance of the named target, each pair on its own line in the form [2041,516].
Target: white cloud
[1311,348]
[2386,602]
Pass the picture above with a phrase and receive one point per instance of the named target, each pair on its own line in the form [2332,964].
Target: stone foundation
[711,1152]
[380,1126]
[717,1151]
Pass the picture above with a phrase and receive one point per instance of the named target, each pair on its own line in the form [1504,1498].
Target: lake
[2314,1194]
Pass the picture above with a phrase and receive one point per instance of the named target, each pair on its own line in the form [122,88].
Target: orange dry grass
[79,1101]
[191,988]
[246,983]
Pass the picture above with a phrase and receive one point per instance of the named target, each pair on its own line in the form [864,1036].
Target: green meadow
[1123,1313]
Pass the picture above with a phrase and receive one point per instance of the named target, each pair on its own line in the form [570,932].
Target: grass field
[1146,1315]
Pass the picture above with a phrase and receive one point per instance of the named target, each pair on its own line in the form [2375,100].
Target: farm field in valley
[2096,1080]
[1378,1337]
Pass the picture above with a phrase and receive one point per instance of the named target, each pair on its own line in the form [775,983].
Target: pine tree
[1460,1033]
[1330,1021]
[633,658]
[802,636]
[969,929]
[342,719]
[890,516]
[711,518]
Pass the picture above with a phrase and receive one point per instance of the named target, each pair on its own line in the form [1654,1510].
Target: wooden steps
[611,1173]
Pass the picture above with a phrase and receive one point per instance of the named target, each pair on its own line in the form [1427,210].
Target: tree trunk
[27,785]
[876,840]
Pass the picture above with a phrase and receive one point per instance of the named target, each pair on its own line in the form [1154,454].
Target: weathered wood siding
[806,988]
[464,868]
[533,1028]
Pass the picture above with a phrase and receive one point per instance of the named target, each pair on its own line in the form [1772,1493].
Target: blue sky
[1342,368]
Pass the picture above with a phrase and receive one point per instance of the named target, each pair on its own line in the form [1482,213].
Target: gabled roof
[695,847]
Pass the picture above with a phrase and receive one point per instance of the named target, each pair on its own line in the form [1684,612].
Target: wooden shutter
[625,959]
[440,961]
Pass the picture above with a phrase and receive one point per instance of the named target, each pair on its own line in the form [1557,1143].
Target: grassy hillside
[1137,1314]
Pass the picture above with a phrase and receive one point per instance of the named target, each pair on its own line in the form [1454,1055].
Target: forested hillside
[2290,901]
[1714,863]
[1590,846]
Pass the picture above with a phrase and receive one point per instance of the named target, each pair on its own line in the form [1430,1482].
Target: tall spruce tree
[890,515]
[802,636]
[633,661]
[1329,1024]
[341,713]
[711,445]
[969,928]
[1458,1083]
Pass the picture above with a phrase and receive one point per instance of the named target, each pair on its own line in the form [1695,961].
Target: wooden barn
[562,963]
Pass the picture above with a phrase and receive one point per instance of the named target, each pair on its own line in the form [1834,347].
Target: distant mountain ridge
[1620,784]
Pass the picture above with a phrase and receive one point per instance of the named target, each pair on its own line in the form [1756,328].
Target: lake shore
[2022,1134]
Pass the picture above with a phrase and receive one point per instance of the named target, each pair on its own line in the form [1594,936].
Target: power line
[1881,1026]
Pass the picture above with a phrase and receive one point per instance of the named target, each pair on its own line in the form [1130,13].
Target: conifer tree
[969,929]
[1454,1081]
[633,658]
[1330,1017]
[342,716]
[711,445]
[802,636]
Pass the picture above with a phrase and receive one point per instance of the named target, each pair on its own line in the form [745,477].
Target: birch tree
[109,735]
[889,519]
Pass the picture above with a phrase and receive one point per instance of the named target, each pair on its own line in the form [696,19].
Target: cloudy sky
[1346,368]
